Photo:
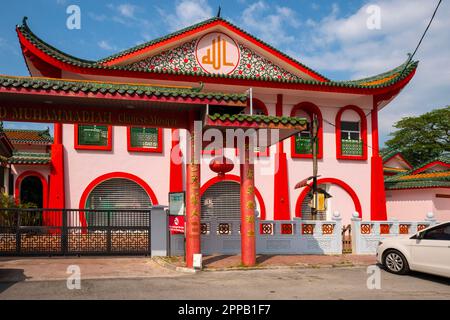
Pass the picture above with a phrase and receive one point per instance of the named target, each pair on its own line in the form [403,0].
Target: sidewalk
[223,262]
[55,268]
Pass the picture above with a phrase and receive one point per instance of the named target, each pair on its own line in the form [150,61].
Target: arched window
[301,143]
[351,134]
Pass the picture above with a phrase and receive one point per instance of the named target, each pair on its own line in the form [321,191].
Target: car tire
[395,262]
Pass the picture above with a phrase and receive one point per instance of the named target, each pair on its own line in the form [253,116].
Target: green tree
[8,217]
[424,137]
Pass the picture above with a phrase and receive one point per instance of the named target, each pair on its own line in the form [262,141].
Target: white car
[427,251]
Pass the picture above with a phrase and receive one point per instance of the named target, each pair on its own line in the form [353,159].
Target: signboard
[176,224]
[177,206]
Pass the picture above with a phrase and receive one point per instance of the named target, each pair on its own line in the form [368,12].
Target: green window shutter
[351,147]
[89,135]
[144,137]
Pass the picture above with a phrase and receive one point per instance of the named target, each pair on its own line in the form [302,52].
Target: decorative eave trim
[87,67]
[94,89]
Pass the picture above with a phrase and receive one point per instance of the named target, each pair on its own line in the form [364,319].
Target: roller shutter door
[222,201]
[118,194]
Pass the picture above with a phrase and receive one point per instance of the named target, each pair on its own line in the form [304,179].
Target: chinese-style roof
[441,160]
[413,180]
[19,136]
[286,126]
[122,89]
[388,154]
[262,119]
[6,147]
[30,158]
[393,170]
[383,80]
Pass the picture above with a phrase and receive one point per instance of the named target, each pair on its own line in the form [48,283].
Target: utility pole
[315,198]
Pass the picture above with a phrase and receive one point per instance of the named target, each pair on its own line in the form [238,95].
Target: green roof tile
[396,73]
[115,88]
[29,158]
[258,118]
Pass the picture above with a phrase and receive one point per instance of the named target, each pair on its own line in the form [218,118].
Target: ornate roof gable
[196,57]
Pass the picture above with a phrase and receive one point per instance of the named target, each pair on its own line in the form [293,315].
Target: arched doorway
[31,187]
[220,198]
[116,191]
[339,190]
[116,194]
[31,191]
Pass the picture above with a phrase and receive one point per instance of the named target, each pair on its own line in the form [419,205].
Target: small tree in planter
[8,218]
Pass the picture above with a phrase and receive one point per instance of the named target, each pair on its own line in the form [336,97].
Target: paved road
[324,283]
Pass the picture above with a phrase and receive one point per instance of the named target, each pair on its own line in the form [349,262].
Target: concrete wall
[413,204]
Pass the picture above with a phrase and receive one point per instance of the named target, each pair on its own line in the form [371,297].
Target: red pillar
[176,165]
[248,243]
[281,185]
[377,192]
[193,205]
[56,191]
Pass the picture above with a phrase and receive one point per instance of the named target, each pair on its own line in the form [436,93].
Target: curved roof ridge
[387,75]
[25,30]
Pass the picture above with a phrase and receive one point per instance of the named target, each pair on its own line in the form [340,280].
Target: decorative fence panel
[74,232]
[300,237]
[272,237]
[367,234]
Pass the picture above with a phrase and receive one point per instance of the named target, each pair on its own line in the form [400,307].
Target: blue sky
[328,36]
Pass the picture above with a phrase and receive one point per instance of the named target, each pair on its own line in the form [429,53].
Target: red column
[56,191]
[281,185]
[377,192]
[248,242]
[176,165]
[193,205]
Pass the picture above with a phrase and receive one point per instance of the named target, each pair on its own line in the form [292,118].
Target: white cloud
[346,45]
[127,10]
[97,17]
[125,14]
[270,23]
[105,45]
[187,12]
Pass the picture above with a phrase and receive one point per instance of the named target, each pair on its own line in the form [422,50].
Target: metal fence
[74,232]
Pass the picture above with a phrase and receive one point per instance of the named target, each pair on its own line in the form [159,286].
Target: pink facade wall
[413,205]
[83,166]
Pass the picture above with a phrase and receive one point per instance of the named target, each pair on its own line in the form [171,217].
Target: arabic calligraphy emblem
[217,53]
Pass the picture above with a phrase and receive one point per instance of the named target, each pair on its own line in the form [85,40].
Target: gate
[347,239]
[74,232]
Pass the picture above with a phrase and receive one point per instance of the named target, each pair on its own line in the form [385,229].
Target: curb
[170,266]
[165,264]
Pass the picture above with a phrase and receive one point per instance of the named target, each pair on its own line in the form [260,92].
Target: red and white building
[103,166]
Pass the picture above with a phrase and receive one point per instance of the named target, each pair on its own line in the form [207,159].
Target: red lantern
[221,165]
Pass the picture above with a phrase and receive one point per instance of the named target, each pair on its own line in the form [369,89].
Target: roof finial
[24,21]
[219,11]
